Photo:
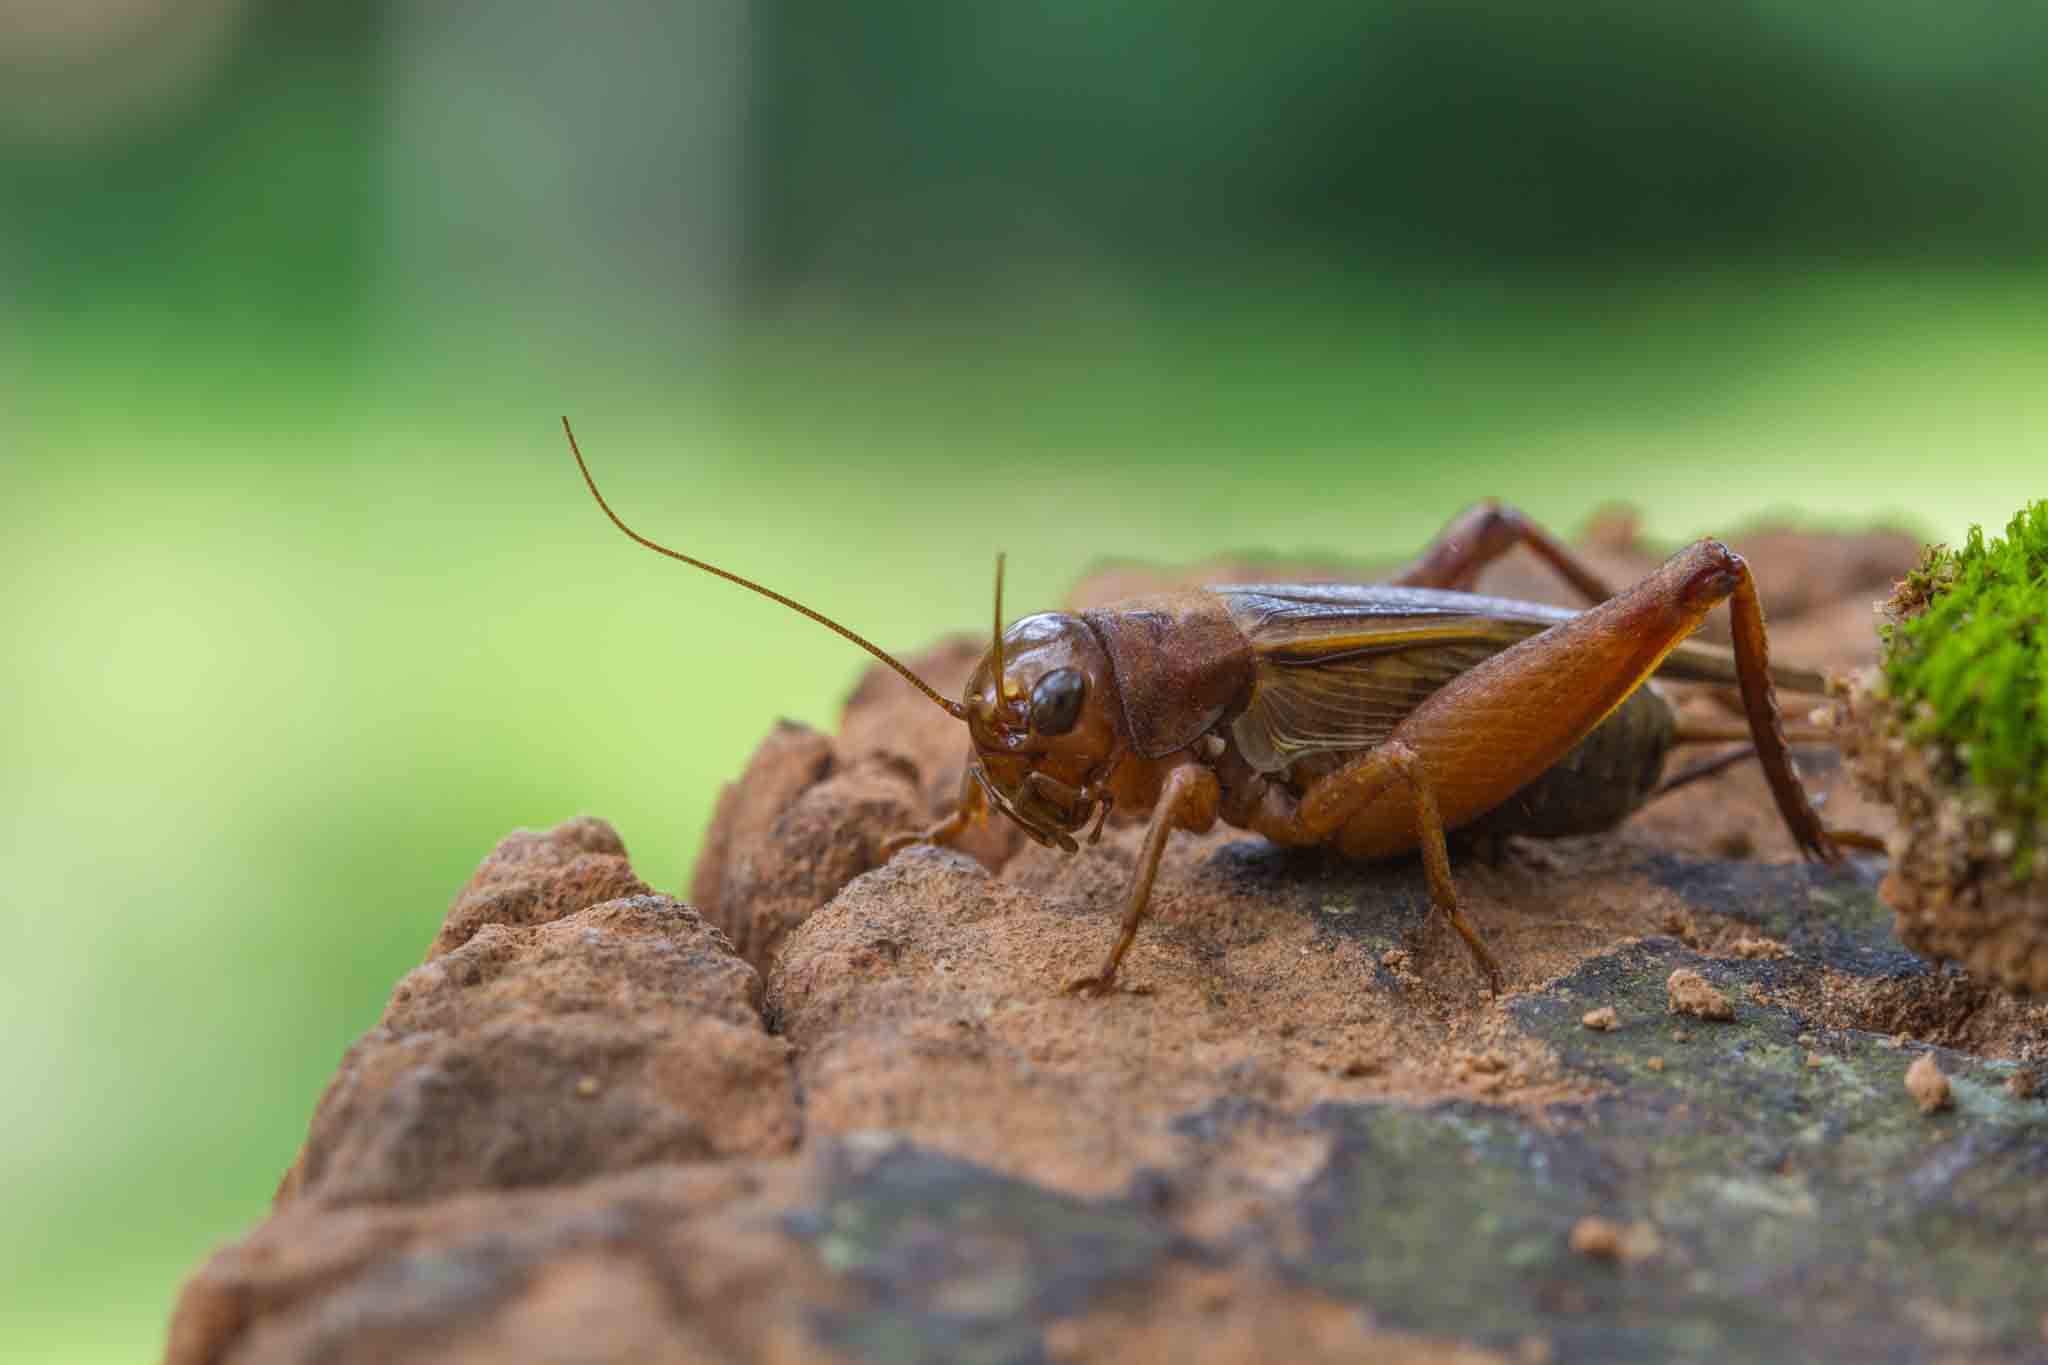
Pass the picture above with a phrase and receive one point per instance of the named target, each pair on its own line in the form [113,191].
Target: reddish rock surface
[584,1129]
[533,1051]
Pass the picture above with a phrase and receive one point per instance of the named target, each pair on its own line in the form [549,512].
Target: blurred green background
[305,607]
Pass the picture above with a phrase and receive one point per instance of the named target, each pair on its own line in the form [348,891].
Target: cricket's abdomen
[1600,783]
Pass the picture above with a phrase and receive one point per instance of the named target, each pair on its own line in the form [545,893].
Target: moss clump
[1966,665]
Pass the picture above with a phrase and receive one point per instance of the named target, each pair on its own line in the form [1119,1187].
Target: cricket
[1373,718]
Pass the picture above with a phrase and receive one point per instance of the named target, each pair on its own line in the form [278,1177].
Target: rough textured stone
[617,1034]
[793,758]
[810,813]
[532,878]
[664,1263]
[1304,1133]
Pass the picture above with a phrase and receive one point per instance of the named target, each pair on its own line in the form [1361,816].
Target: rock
[532,878]
[664,1263]
[586,1130]
[809,814]
[1602,1019]
[789,762]
[620,1033]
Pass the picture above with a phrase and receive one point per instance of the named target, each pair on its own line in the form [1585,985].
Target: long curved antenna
[996,650]
[951,708]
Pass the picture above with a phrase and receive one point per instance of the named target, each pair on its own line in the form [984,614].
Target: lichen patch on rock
[633,1006]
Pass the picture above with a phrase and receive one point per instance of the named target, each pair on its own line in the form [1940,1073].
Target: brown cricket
[1374,718]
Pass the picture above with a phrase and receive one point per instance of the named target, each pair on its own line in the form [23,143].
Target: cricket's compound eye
[1056,701]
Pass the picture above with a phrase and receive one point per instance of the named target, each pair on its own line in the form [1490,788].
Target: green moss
[1967,664]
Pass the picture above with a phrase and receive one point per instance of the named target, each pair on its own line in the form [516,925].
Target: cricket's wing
[1339,665]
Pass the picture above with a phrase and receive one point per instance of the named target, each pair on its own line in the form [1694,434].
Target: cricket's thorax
[1182,667]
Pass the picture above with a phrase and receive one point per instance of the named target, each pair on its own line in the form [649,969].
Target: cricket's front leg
[1188,801]
[971,810]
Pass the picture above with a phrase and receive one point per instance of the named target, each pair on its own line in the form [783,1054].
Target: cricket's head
[1042,711]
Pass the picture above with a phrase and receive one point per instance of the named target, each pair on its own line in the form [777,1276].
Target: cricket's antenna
[997,649]
[951,708]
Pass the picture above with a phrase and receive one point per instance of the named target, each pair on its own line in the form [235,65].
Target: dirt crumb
[1746,946]
[1596,1237]
[1611,1241]
[1814,1061]
[1691,993]
[1601,1019]
[1679,924]
[2023,1083]
[1654,1063]
[1925,1083]
[1533,1350]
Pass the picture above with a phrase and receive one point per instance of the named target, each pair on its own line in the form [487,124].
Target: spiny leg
[1760,701]
[1407,765]
[1188,801]
[1689,732]
[1703,768]
[1483,533]
[1436,865]
[1592,663]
